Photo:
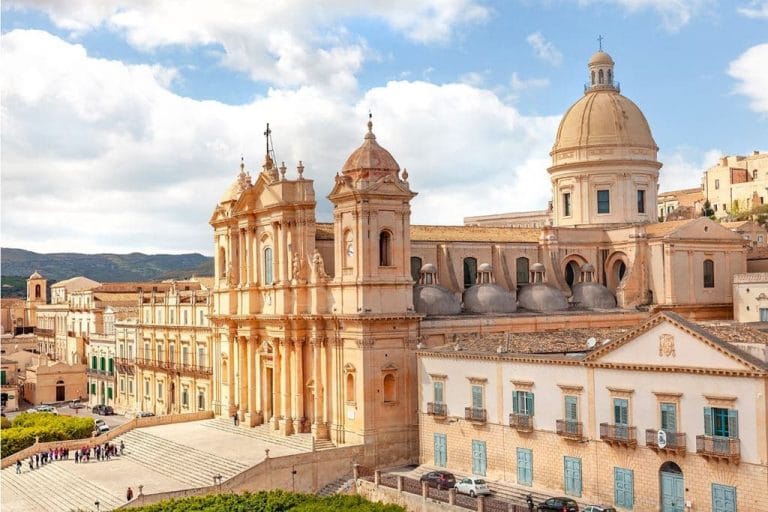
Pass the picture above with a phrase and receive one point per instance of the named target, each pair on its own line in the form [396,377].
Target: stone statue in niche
[666,345]
[318,267]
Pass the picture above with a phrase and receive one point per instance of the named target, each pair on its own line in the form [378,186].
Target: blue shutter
[438,386]
[572,476]
[441,450]
[516,402]
[524,466]
[621,411]
[623,487]
[733,423]
[723,498]
[571,409]
[668,417]
[529,403]
[708,421]
[479,461]
[477,397]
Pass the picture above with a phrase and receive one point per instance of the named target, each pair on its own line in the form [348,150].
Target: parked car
[144,414]
[99,422]
[599,508]
[559,504]
[103,428]
[439,479]
[76,404]
[472,486]
[104,410]
[45,408]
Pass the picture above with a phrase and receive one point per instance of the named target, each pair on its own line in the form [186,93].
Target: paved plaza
[162,458]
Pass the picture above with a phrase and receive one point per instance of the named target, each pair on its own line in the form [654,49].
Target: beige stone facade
[591,423]
[680,204]
[10,384]
[48,382]
[737,183]
[754,235]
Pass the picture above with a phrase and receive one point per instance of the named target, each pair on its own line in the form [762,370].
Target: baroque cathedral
[316,325]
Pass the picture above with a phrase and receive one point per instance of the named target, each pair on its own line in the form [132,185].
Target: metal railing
[475,414]
[570,429]
[173,366]
[95,372]
[675,441]
[438,409]
[521,422]
[619,434]
[719,447]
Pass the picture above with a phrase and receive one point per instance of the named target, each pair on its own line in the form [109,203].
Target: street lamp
[97,505]
[217,480]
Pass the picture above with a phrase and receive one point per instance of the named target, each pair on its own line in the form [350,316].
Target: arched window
[415,268]
[390,388]
[522,270]
[268,278]
[610,77]
[350,396]
[593,78]
[385,249]
[222,263]
[37,291]
[709,274]
[470,271]
[600,77]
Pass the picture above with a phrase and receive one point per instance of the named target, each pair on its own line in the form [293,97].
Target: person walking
[122,447]
[529,501]
[129,494]
[234,418]
[18,467]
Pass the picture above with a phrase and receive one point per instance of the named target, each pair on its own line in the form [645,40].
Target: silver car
[473,486]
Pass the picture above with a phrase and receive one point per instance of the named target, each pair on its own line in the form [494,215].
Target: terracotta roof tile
[660,229]
[427,233]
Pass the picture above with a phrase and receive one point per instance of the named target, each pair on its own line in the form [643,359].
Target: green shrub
[48,427]
[5,422]
[272,501]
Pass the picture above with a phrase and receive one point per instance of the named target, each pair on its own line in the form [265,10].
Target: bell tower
[37,294]
[372,220]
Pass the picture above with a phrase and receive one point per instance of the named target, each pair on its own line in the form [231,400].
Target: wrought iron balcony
[475,414]
[675,441]
[47,333]
[173,367]
[521,422]
[437,409]
[719,448]
[95,372]
[570,429]
[618,434]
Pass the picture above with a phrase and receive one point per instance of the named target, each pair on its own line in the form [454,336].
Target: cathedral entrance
[671,487]
[60,391]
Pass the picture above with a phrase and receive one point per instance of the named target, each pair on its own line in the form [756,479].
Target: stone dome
[489,298]
[603,118]
[600,57]
[542,297]
[370,156]
[434,300]
[593,296]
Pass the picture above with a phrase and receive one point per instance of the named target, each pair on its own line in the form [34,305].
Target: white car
[472,486]
[46,408]
[102,428]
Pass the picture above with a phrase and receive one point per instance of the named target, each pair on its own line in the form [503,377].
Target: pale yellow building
[737,183]
[668,415]
[680,204]
[48,382]
[754,234]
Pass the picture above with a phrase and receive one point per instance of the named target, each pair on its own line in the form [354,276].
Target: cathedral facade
[315,325]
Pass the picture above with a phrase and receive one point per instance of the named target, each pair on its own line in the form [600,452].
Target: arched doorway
[572,272]
[671,486]
[60,391]
[616,267]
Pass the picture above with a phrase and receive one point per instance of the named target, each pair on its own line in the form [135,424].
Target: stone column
[232,385]
[242,368]
[285,255]
[276,378]
[285,391]
[242,250]
[253,382]
[298,389]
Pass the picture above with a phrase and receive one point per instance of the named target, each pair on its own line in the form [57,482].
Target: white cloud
[472,78]
[544,49]
[286,43]
[684,167]
[99,155]
[751,70]
[757,9]
[675,14]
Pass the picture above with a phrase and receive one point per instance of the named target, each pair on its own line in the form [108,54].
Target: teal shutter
[2,377]
[668,417]
[571,409]
[516,402]
[441,451]
[477,397]
[111,365]
[103,365]
[93,388]
[621,411]
[524,466]
[708,419]
[479,461]
[438,387]
[623,487]
[109,393]
[733,423]
[529,403]
[572,476]
[94,364]
[723,498]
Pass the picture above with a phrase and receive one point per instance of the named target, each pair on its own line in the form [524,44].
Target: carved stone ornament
[666,345]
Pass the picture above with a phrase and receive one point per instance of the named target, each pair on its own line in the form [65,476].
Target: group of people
[84,454]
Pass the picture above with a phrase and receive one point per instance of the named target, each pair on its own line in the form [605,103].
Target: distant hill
[16,263]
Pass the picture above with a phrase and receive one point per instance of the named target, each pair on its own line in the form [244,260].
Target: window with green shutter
[477,397]
[522,403]
[103,365]
[621,411]
[668,417]
[721,422]
[572,476]
[111,365]
[93,388]
[524,466]
[438,392]
[94,363]
[623,487]
[109,393]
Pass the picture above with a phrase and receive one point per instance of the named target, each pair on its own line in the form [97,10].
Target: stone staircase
[338,486]
[166,457]
[300,442]
[52,488]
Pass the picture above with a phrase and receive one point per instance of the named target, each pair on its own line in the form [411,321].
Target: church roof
[427,233]
[662,229]
[600,57]
[370,156]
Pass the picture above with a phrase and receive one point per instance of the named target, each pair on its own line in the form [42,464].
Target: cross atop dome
[600,70]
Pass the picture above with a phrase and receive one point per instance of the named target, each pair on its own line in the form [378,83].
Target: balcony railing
[47,333]
[437,409]
[675,441]
[521,422]
[570,429]
[475,414]
[94,372]
[719,447]
[173,367]
[618,434]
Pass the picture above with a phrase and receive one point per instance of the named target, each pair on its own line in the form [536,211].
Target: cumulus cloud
[685,166]
[675,14]
[544,49]
[756,9]
[100,155]
[287,43]
[751,70]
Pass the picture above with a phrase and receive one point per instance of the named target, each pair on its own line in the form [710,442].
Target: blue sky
[123,122]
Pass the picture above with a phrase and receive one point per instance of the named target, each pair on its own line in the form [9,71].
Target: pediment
[668,342]
[258,197]
[704,228]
